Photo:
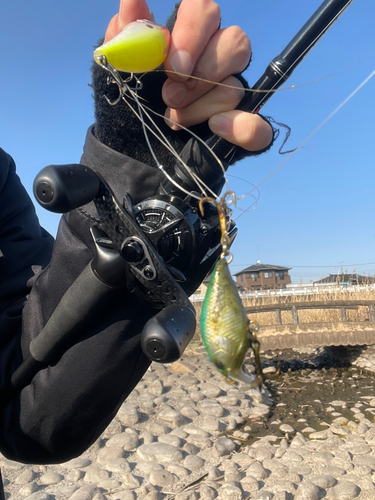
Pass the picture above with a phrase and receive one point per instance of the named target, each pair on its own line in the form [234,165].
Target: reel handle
[166,335]
[61,188]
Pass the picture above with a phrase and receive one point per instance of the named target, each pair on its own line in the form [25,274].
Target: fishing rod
[67,187]
[275,75]
[282,66]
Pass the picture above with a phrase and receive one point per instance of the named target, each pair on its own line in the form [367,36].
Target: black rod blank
[282,66]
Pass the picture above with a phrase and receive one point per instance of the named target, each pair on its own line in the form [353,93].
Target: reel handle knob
[166,335]
[61,188]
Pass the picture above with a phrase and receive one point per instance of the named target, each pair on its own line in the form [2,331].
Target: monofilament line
[308,138]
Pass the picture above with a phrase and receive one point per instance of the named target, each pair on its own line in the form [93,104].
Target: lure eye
[219,364]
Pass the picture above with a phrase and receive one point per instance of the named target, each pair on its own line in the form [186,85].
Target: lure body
[225,326]
[140,47]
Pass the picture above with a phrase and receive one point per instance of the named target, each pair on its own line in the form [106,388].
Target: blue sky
[315,215]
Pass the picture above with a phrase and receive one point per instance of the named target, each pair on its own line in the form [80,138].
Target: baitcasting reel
[162,241]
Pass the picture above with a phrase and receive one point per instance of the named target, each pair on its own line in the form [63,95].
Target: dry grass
[198,332]
[308,315]
[311,316]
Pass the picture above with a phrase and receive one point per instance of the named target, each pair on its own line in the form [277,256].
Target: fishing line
[256,187]
[367,79]
[142,110]
[124,88]
[255,197]
[292,152]
[292,87]
[304,52]
[132,94]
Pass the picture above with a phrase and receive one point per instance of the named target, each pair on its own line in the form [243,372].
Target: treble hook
[115,77]
[222,211]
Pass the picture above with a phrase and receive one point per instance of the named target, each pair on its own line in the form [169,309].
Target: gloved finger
[247,130]
[217,100]
[227,52]
[129,11]
[197,21]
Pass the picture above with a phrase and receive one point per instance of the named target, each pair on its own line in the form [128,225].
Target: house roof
[255,268]
[344,277]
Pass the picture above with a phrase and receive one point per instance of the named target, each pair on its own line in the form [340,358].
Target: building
[201,291]
[345,279]
[263,277]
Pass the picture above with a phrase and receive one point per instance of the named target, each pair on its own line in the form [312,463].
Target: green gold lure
[140,47]
[226,330]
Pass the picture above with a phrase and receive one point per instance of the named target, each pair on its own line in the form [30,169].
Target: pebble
[183,367]
[96,474]
[223,446]
[210,390]
[264,495]
[366,460]
[262,453]
[130,480]
[323,481]
[178,470]
[211,407]
[50,478]
[321,435]
[191,449]
[308,491]
[25,477]
[207,492]
[359,449]
[189,412]
[170,439]
[107,454]
[193,462]
[250,484]
[74,476]
[171,417]
[77,463]
[159,451]
[28,489]
[119,465]
[230,492]
[127,440]
[39,495]
[286,429]
[345,490]
[128,415]
[168,434]
[257,471]
[211,423]
[85,493]
[202,442]
[163,478]
[189,495]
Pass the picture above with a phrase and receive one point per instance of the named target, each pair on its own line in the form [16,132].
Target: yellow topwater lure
[140,47]
[226,331]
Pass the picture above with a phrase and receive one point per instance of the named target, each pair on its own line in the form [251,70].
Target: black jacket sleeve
[24,247]
[68,405]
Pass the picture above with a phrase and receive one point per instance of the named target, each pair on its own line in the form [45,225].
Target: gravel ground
[185,434]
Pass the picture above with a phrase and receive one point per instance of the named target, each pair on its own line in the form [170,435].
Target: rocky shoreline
[185,434]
